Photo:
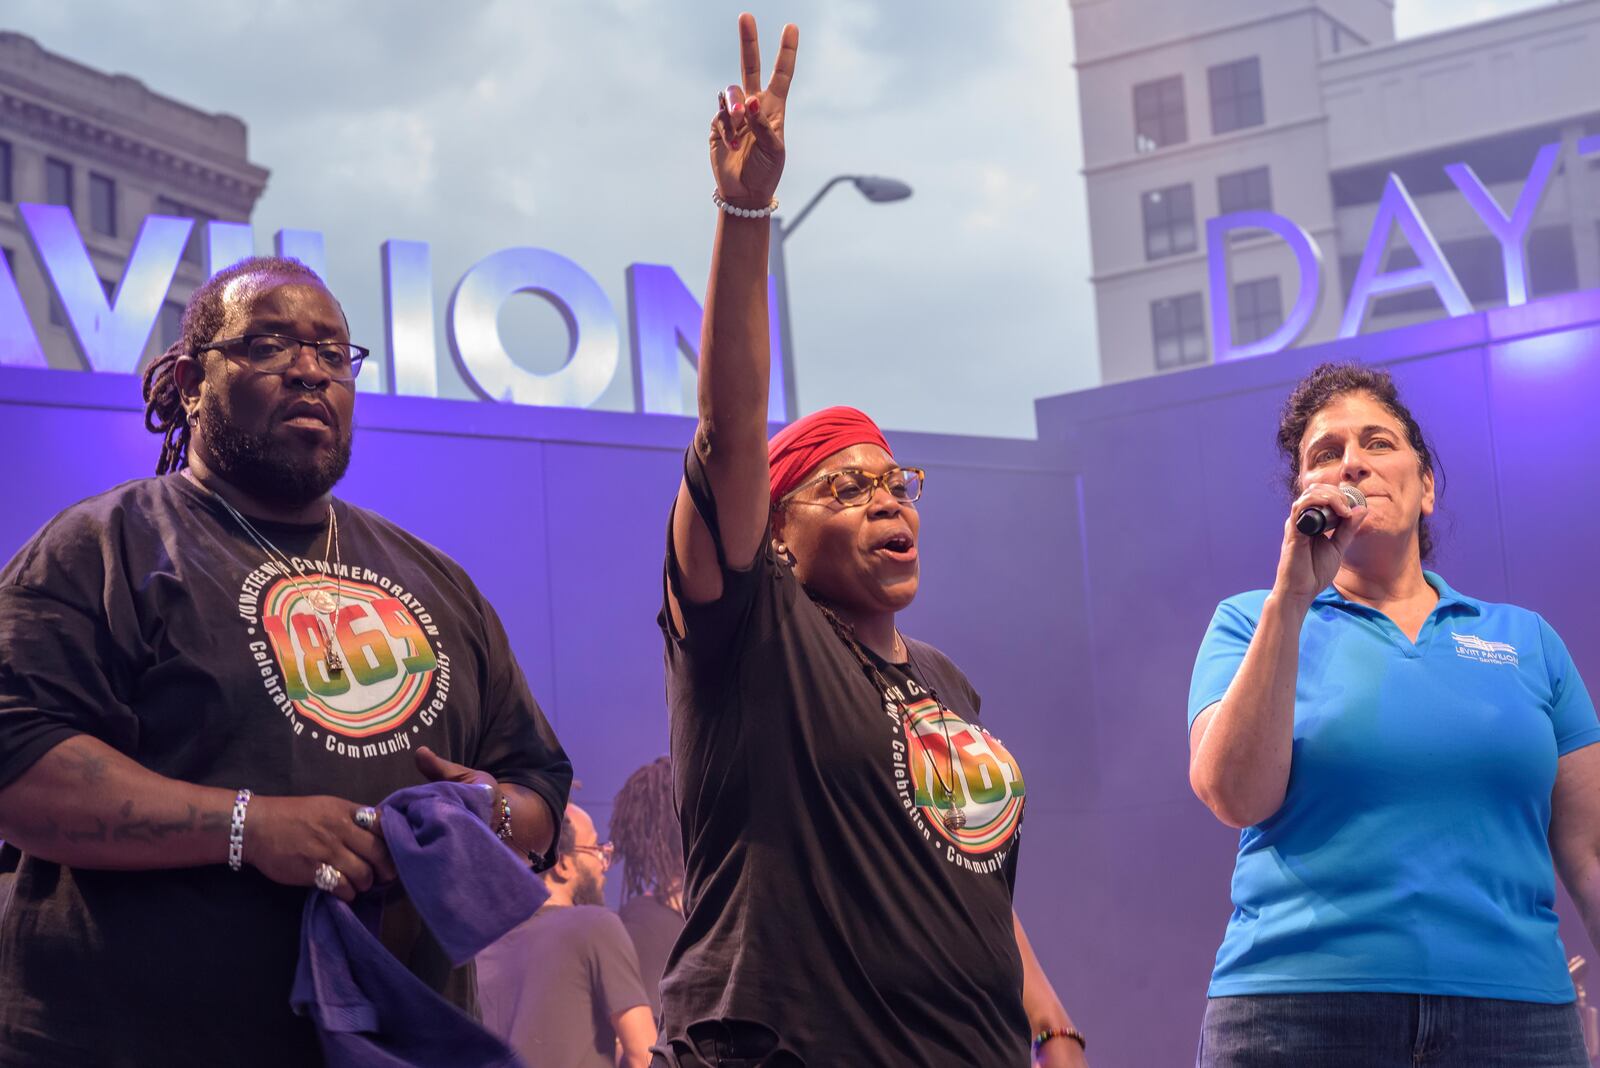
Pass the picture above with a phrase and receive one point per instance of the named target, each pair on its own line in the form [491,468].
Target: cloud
[580,127]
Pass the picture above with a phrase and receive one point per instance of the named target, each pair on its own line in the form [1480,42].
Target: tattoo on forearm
[89,767]
[46,830]
[152,828]
[144,829]
[97,834]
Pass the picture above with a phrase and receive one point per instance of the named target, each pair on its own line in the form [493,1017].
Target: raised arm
[747,156]
[1239,748]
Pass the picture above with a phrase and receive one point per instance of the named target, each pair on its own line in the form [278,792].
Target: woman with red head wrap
[851,830]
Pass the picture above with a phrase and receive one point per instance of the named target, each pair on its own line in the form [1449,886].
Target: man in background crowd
[563,988]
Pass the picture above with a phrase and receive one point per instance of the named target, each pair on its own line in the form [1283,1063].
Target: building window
[194,251]
[1178,326]
[5,172]
[170,325]
[1552,261]
[1158,114]
[1236,96]
[1249,190]
[57,182]
[1257,309]
[1476,262]
[1479,267]
[102,204]
[1168,221]
[109,288]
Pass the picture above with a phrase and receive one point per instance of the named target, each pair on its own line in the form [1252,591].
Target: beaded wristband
[743,213]
[241,806]
[1059,1032]
[502,822]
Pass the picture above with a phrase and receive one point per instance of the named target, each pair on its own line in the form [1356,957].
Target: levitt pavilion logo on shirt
[391,658]
[943,764]
[1472,647]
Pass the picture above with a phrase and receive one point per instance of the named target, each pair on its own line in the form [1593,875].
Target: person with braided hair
[207,678]
[851,828]
[644,829]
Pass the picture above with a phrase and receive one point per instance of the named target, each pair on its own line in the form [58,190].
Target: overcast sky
[580,127]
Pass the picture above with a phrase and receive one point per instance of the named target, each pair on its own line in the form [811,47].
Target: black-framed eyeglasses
[604,851]
[852,486]
[273,354]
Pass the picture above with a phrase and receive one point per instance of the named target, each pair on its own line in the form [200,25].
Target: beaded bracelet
[241,807]
[1059,1032]
[502,822]
[743,213]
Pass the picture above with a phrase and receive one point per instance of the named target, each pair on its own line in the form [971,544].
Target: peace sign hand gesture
[747,134]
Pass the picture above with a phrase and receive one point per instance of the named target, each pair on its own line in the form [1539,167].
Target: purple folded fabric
[369,1010]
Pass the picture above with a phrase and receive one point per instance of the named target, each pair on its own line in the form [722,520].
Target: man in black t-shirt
[205,677]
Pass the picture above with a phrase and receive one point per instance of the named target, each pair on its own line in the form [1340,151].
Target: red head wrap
[796,450]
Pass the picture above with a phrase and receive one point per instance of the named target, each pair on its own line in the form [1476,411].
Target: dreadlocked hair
[644,831]
[202,318]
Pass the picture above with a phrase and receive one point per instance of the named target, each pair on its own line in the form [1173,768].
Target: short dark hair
[1328,382]
[202,318]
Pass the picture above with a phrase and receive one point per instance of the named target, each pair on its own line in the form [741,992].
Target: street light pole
[879,191]
[780,281]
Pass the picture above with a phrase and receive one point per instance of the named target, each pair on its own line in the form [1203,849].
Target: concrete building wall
[160,155]
[1343,104]
[1506,74]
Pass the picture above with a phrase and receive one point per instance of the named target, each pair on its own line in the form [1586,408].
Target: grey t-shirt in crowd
[552,985]
[654,928]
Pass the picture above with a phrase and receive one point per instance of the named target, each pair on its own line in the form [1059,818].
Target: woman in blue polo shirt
[1403,761]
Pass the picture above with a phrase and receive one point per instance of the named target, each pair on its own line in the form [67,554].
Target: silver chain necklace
[324,606]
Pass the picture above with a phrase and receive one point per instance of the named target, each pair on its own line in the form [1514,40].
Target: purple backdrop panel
[1546,444]
[607,538]
[66,436]
[1071,578]
[1001,593]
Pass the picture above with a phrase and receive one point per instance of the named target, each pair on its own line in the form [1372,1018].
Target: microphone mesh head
[1356,498]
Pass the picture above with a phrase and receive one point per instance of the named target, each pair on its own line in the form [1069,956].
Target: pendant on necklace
[322,601]
[955,819]
[331,658]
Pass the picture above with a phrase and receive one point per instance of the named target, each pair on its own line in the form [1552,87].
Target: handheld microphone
[1319,519]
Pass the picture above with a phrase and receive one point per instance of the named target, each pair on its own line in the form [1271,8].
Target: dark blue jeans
[1388,1031]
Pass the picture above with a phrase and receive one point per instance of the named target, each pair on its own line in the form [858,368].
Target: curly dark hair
[1328,382]
[644,829]
[202,318]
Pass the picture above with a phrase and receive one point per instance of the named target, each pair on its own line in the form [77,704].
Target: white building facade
[113,152]
[1304,108]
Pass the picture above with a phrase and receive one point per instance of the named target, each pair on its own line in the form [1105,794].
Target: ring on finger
[366,817]
[328,878]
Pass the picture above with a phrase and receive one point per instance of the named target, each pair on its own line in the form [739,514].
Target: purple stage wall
[1075,615]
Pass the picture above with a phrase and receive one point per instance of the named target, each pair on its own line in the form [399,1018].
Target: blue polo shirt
[1411,853]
